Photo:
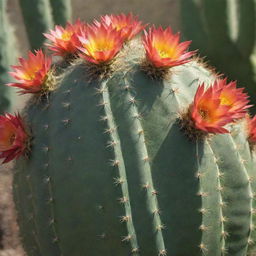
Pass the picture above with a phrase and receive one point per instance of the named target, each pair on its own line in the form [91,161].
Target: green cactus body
[37,20]
[224,31]
[43,16]
[62,11]
[111,172]
[7,57]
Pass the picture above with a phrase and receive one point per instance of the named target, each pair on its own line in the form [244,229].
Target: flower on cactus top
[32,72]
[207,112]
[129,25]
[233,97]
[64,41]
[252,129]
[100,43]
[163,48]
[13,137]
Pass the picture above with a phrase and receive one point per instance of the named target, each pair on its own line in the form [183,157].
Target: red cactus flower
[233,97]
[129,25]
[32,72]
[207,112]
[100,43]
[163,48]
[13,138]
[252,129]
[64,41]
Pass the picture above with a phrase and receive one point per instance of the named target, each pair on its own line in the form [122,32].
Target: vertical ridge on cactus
[113,170]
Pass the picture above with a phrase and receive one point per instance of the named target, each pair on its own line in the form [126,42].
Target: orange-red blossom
[64,41]
[129,25]
[207,112]
[218,105]
[13,138]
[163,48]
[233,97]
[31,73]
[100,43]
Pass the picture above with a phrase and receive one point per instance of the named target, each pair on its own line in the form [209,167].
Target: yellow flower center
[119,26]
[163,54]
[166,51]
[100,46]
[29,75]
[66,35]
[226,100]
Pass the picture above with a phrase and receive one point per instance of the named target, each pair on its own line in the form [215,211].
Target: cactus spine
[112,173]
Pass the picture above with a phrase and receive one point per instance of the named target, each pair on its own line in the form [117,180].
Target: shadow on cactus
[137,149]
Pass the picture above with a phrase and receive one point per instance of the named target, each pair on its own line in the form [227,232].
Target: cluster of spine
[149,94]
[224,31]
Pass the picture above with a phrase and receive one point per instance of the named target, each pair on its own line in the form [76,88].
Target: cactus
[116,167]
[224,31]
[42,17]
[62,11]
[7,56]
[37,20]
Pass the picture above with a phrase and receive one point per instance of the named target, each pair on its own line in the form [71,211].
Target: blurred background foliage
[223,31]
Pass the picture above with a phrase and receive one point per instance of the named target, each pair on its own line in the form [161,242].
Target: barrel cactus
[132,147]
